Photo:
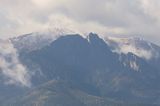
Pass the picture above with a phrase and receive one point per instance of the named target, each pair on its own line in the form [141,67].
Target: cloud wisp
[11,69]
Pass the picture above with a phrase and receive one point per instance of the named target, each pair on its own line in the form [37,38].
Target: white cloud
[146,54]
[48,4]
[11,69]
[64,22]
[126,45]
[114,17]
[151,8]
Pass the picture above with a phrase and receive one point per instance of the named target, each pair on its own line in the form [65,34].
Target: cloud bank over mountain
[109,17]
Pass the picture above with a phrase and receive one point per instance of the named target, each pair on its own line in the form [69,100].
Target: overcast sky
[139,18]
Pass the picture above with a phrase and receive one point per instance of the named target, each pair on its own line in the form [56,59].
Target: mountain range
[64,69]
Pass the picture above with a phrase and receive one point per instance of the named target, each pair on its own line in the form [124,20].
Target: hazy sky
[107,17]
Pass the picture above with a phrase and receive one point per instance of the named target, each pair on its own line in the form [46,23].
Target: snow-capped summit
[37,40]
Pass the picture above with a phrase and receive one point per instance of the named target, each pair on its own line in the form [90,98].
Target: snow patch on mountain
[134,65]
[38,40]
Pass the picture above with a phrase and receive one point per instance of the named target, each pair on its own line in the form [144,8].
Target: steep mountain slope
[139,47]
[60,93]
[91,66]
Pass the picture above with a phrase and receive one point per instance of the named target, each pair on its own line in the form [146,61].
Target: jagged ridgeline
[76,70]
